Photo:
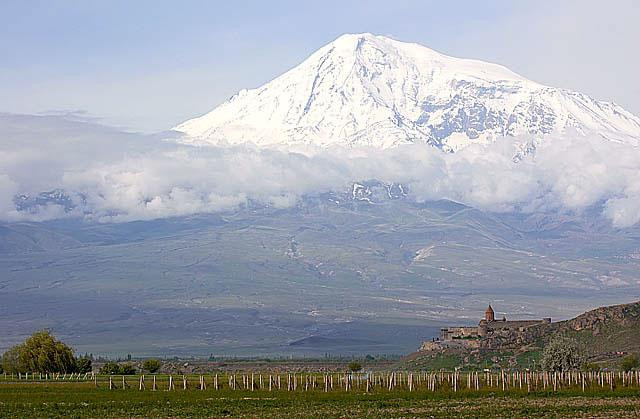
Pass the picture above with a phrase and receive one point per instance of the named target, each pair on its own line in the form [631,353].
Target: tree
[110,368]
[151,365]
[41,352]
[355,366]
[83,364]
[629,362]
[10,360]
[127,369]
[561,354]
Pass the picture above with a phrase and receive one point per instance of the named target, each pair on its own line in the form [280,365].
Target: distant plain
[334,275]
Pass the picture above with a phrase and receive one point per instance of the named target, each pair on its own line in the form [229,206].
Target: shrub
[151,365]
[561,354]
[630,362]
[113,368]
[355,366]
[591,367]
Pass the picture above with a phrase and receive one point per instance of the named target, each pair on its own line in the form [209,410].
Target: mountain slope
[606,330]
[602,331]
[605,335]
[368,265]
[371,90]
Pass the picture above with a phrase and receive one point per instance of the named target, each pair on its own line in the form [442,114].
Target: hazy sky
[147,65]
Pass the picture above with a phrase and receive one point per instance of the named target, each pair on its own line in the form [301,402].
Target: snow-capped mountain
[372,90]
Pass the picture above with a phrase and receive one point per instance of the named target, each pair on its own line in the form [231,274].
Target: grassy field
[83,399]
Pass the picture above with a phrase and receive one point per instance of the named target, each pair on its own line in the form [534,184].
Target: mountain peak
[354,39]
[371,90]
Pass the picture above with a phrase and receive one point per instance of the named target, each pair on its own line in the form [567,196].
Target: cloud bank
[112,176]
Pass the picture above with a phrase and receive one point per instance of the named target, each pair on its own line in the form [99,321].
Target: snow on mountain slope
[371,90]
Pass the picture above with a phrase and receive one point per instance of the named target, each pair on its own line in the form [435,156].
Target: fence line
[522,381]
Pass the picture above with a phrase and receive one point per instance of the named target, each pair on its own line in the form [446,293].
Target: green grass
[82,399]
[433,363]
[529,359]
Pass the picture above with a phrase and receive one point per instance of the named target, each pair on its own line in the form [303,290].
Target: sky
[148,65]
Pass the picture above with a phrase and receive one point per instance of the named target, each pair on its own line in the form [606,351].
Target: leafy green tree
[110,368]
[630,362]
[10,360]
[562,354]
[83,364]
[41,352]
[355,366]
[151,365]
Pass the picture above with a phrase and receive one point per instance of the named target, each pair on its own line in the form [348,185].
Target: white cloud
[8,189]
[114,176]
[623,212]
